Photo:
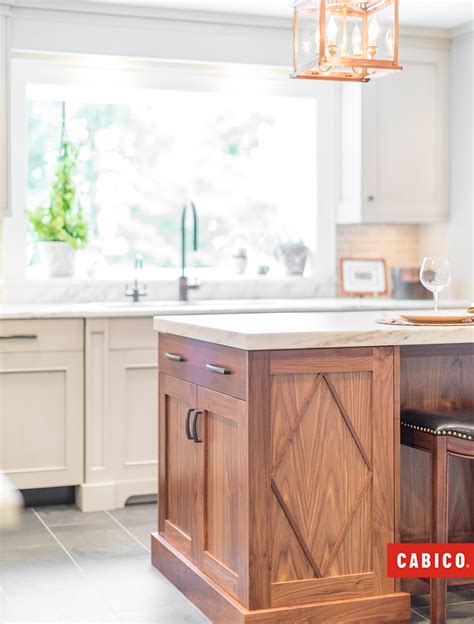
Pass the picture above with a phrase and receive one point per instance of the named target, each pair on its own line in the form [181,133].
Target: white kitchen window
[248,162]
[251,148]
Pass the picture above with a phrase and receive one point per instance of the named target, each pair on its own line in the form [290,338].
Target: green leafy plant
[63,220]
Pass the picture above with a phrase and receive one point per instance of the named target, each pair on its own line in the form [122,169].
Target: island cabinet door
[180,499]
[332,474]
[221,429]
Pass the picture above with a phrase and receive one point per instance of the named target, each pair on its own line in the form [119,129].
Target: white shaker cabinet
[120,417]
[41,402]
[4,110]
[394,142]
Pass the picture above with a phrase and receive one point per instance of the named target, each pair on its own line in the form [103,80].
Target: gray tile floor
[460,607]
[63,565]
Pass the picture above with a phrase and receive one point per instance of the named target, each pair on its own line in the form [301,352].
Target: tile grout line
[56,539]
[2,550]
[449,604]
[453,604]
[124,528]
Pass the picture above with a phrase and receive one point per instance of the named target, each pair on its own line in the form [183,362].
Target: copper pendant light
[345,39]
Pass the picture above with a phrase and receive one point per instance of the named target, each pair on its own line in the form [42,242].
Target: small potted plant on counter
[61,227]
[294,256]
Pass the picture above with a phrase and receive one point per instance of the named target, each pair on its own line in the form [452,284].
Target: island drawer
[41,335]
[216,367]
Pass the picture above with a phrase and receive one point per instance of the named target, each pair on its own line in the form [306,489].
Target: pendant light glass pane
[308,35]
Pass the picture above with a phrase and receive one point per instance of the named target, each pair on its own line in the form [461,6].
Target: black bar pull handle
[187,427]
[195,434]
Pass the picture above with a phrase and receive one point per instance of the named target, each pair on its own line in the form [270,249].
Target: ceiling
[430,13]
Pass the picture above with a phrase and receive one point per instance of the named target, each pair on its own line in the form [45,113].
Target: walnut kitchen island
[279,460]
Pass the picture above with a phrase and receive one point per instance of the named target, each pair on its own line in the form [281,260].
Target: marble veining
[309,330]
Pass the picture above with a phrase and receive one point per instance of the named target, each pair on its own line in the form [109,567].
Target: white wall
[456,239]
[79,27]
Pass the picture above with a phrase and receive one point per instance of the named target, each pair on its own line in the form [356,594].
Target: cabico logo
[430,560]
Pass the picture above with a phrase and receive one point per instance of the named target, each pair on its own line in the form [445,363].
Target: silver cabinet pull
[19,337]
[218,369]
[174,357]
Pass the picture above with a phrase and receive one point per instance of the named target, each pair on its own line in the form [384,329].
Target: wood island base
[221,608]
[279,474]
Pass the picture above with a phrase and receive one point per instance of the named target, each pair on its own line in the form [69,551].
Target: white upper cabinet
[4,94]
[394,143]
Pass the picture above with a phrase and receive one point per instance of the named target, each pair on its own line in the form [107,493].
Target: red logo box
[430,560]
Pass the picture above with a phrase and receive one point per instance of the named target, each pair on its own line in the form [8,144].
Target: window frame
[86,70]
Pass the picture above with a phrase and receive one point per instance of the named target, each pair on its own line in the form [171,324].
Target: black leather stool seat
[459,423]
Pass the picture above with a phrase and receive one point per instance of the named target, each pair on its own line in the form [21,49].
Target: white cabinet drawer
[132,333]
[30,336]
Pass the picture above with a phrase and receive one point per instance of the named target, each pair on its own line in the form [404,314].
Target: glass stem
[435,295]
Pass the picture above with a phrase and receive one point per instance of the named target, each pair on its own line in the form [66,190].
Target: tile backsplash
[399,245]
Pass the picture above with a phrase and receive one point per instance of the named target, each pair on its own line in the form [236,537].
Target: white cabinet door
[133,403]
[4,117]
[121,412]
[41,418]
[394,144]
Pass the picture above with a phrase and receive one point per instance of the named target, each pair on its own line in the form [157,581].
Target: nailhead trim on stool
[433,432]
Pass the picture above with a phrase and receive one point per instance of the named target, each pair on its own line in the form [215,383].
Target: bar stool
[441,434]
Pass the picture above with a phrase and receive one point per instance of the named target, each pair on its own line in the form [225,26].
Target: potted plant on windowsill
[293,256]
[61,227]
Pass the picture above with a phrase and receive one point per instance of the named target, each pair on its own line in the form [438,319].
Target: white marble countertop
[255,332]
[110,309]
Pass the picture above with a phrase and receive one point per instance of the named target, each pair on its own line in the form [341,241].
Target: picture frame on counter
[362,277]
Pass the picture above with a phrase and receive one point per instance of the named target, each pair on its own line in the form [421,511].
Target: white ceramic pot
[58,258]
[294,259]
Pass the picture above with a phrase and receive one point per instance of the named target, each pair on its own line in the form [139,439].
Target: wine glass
[435,275]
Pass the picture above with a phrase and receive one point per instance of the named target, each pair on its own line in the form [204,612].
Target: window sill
[113,275]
